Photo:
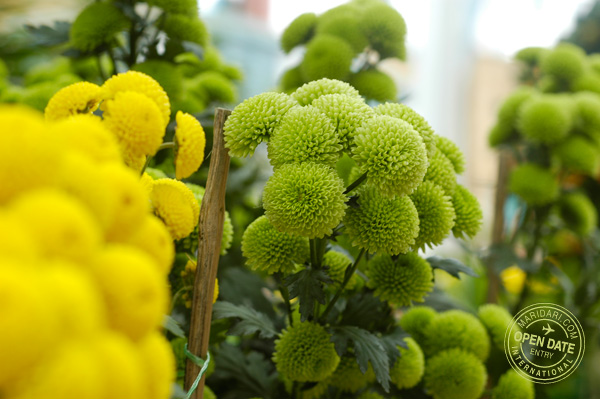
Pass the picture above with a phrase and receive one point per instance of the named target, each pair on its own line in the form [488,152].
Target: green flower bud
[496,320]
[345,112]
[544,119]
[185,28]
[530,55]
[305,199]
[327,57]
[291,80]
[565,62]
[578,154]
[374,85]
[97,24]
[452,152]
[579,213]
[402,281]
[253,121]
[509,111]
[436,214]
[385,30]
[500,134]
[310,91]
[348,377]
[535,185]
[165,73]
[441,172]
[299,31]
[189,7]
[304,352]
[409,368]
[392,153]
[304,135]
[382,224]
[370,395]
[587,82]
[415,321]
[588,111]
[315,392]
[512,386]
[457,329]
[468,213]
[455,374]
[343,25]
[270,250]
[336,264]
[213,86]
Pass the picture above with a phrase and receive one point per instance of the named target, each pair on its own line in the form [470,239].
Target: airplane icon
[547,329]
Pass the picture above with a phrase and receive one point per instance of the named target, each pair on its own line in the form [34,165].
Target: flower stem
[356,183]
[168,144]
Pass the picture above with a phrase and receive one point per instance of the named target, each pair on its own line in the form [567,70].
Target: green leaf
[451,266]
[173,327]
[251,320]
[45,35]
[368,348]
[392,341]
[307,285]
[367,311]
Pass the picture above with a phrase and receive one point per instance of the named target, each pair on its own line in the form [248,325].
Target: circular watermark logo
[544,343]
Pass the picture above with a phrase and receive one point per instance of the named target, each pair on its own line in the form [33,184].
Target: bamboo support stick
[210,231]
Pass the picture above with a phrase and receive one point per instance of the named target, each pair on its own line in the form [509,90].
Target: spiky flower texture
[534,184]
[436,214]
[455,374]
[299,31]
[327,57]
[309,92]
[512,386]
[191,141]
[409,368]
[468,213]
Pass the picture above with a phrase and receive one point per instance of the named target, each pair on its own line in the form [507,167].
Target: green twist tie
[198,361]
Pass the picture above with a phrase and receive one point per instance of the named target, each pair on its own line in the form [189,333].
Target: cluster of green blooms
[359,31]
[456,344]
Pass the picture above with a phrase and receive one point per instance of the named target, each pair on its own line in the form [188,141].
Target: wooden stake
[210,231]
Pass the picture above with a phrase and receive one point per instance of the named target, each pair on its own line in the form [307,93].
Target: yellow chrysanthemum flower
[16,242]
[131,204]
[87,133]
[157,355]
[77,98]
[141,83]
[513,279]
[61,225]
[133,161]
[190,141]
[136,121]
[134,290]
[190,270]
[176,205]
[147,182]
[153,238]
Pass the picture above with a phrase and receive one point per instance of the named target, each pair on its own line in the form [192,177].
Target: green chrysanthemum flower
[587,82]
[512,386]
[578,154]
[345,112]
[455,374]
[189,7]
[165,73]
[436,214]
[530,55]
[304,352]
[309,92]
[213,86]
[254,120]
[594,62]
[468,213]
[496,320]
[370,395]
[416,320]
[348,377]
[185,28]
[500,134]
[565,62]
[315,392]
[579,213]
[327,57]
[305,134]
[457,329]
[305,199]
[385,30]
[270,250]
[299,31]
[392,154]
[509,110]
[418,123]
[374,85]
[544,119]
[344,167]
[336,264]
[382,224]
[402,281]
[409,367]
[452,152]
[537,186]
[97,24]
[291,80]
[343,25]
[441,172]
[588,111]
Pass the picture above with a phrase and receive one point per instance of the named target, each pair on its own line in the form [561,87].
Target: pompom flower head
[512,386]
[343,25]
[291,80]
[535,185]
[270,250]
[452,152]
[309,92]
[153,238]
[578,154]
[97,24]
[455,374]
[385,29]
[416,320]
[77,98]
[402,281]
[304,352]
[544,119]
[306,199]
[299,31]
[336,264]
[374,85]
[157,356]
[382,224]
[345,112]
[496,320]
[436,214]
[348,377]
[509,110]
[392,154]
[183,27]
[253,121]
[409,368]
[304,135]
[588,111]
[441,172]
[418,123]
[460,330]
[579,213]
[190,140]
[566,62]
[166,73]
[176,206]
[176,6]
[327,56]
[468,213]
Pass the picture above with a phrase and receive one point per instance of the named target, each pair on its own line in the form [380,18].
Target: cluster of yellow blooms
[86,245]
